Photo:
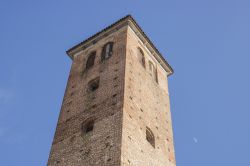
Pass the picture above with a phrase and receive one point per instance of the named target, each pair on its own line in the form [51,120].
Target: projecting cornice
[126,21]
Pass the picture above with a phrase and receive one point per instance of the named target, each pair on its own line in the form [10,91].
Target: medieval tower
[116,109]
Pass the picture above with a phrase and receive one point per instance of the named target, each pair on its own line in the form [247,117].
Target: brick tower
[116,109]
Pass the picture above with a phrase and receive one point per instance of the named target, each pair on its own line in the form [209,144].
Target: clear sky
[206,42]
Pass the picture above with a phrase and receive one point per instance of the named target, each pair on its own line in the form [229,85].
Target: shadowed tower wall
[115,109]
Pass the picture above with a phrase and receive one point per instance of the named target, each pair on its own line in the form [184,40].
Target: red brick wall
[101,146]
[146,104]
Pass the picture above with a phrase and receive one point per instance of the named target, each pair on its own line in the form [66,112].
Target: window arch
[150,137]
[91,60]
[107,51]
[153,71]
[88,126]
[141,57]
[93,84]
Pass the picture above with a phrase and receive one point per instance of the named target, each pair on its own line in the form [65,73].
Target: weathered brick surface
[127,101]
[146,104]
[102,145]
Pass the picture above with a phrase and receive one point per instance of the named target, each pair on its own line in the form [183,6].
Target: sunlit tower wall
[116,108]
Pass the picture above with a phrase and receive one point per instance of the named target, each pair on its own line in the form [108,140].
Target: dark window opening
[94,84]
[91,60]
[107,51]
[150,137]
[88,127]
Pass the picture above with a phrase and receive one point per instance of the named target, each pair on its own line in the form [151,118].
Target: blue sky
[206,42]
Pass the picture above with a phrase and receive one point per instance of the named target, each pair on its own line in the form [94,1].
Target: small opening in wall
[91,60]
[94,106]
[88,126]
[150,137]
[141,57]
[107,51]
[94,84]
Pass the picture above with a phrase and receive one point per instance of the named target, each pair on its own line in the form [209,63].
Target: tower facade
[116,109]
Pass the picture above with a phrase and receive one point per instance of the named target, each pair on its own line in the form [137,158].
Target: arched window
[91,60]
[93,84]
[107,51]
[153,71]
[150,137]
[141,56]
[88,126]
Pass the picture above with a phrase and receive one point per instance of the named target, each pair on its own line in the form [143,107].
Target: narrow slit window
[91,60]
[107,51]
[141,57]
[156,75]
[150,137]
[88,126]
[153,71]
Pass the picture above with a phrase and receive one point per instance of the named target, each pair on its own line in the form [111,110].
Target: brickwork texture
[131,98]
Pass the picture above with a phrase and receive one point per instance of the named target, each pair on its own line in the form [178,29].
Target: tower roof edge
[128,20]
